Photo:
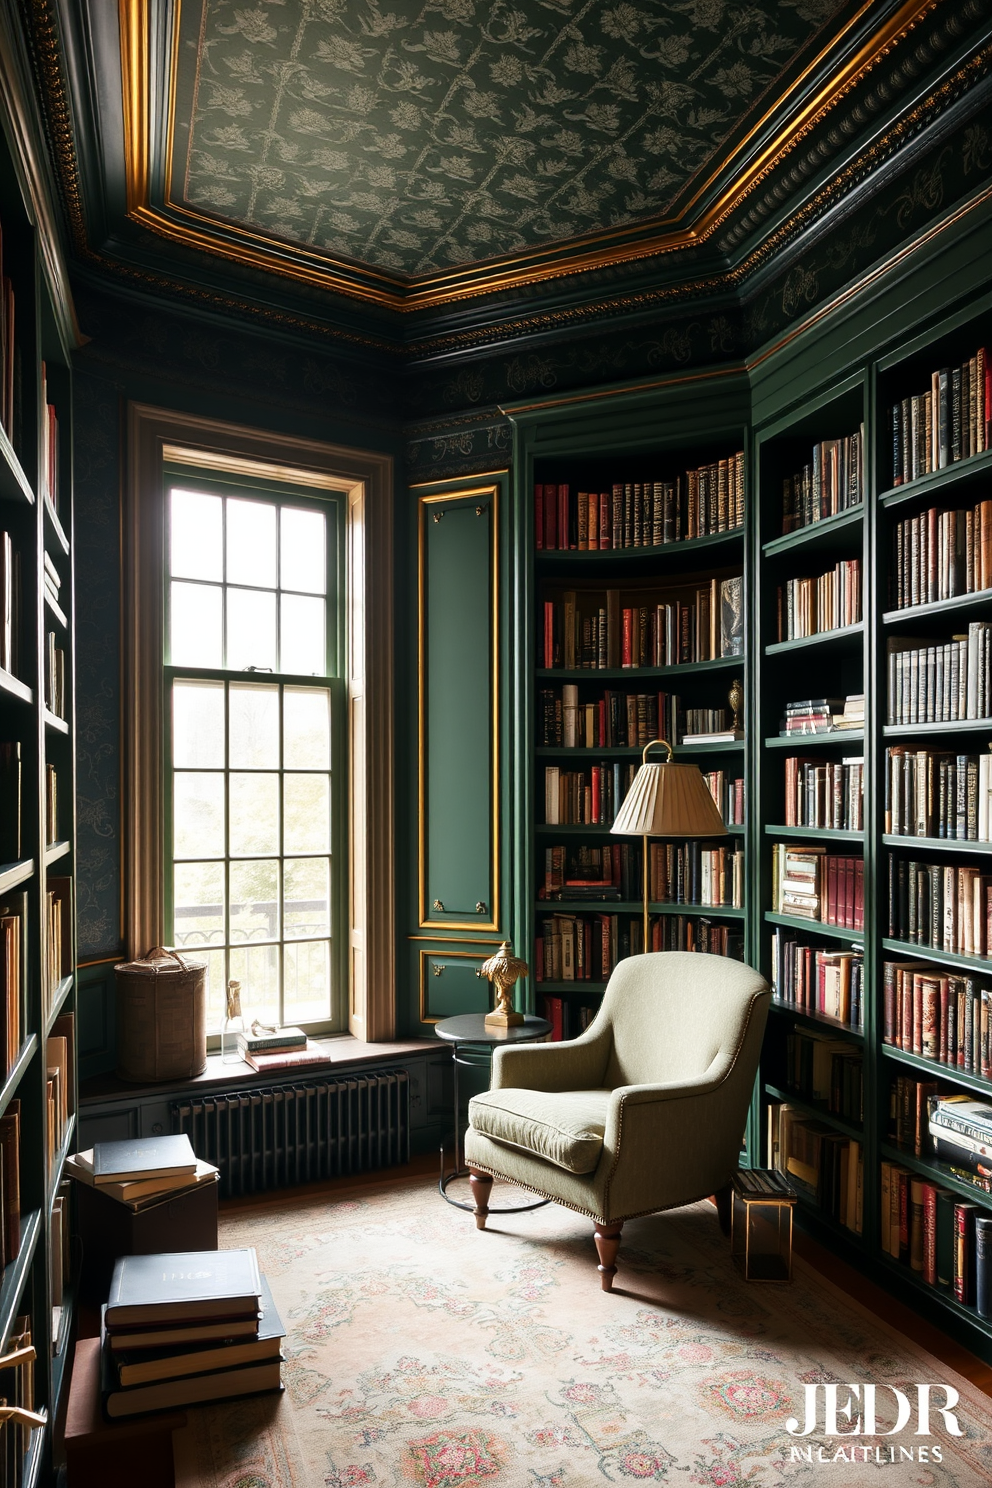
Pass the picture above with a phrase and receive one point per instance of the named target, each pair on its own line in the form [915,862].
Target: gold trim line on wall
[473,494]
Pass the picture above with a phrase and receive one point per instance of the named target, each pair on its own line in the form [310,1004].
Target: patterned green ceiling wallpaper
[415,137]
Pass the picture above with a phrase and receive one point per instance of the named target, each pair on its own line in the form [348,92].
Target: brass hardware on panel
[437,970]
[437,515]
[438,906]
[480,907]
[480,510]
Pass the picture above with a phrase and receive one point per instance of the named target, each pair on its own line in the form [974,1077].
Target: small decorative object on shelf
[761,1225]
[735,697]
[234,1026]
[503,970]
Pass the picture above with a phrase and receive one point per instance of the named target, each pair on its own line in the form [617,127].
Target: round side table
[472,1045]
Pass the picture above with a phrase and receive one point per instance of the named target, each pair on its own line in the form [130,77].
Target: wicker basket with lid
[161,1017]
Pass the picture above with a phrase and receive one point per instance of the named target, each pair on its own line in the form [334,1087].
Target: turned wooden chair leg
[607,1245]
[481,1185]
[723,1199]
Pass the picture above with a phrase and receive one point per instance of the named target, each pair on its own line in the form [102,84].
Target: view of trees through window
[251,750]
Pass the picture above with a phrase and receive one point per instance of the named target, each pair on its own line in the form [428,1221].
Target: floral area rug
[423,1353]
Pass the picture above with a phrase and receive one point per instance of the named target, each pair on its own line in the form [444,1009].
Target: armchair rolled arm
[578,1064]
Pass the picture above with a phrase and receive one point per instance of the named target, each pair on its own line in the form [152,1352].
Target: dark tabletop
[470,1028]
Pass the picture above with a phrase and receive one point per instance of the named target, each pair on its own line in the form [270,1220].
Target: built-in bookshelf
[37,818]
[638,622]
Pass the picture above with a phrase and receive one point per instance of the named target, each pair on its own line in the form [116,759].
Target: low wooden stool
[113,1454]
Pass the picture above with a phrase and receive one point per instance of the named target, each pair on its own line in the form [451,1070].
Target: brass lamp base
[499,1019]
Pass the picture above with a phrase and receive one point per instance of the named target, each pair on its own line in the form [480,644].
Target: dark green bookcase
[44,337]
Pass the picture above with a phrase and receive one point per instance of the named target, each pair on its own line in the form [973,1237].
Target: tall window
[253,656]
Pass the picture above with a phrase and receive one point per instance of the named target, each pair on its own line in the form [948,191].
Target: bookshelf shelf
[56,850]
[931,953]
[58,1001]
[921,730]
[942,1297]
[34,1458]
[12,1083]
[843,636]
[822,834]
[962,471]
[14,687]
[557,988]
[813,532]
[597,557]
[12,874]
[803,742]
[815,927]
[631,674]
[929,1167]
[936,844]
[65,1147]
[52,721]
[817,1020]
[936,1071]
[728,746]
[819,1109]
[635,906]
[571,830]
[14,1275]
[14,484]
[56,611]
[52,518]
[912,614]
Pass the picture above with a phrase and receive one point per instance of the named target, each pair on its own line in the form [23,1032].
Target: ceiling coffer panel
[414,138]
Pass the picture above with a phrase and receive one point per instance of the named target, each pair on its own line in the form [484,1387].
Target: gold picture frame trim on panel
[542,261]
[481,955]
[463,493]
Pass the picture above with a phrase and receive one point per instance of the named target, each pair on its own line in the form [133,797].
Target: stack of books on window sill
[184,1329]
[266,1049]
[141,1174]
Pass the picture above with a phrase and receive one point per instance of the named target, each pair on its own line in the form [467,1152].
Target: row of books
[812,884]
[590,797]
[567,1019]
[181,1330]
[641,514]
[679,873]
[820,980]
[832,482]
[930,793]
[808,606]
[940,554]
[587,947]
[58,944]
[825,1168]
[943,1016]
[615,720]
[824,715]
[54,676]
[909,1113]
[60,1085]
[12,921]
[592,630]
[10,801]
[825,793]
[941,681]
[950,421]
[942,905]
[10,599]
[17,1388]
[822,1068]
[945,1239]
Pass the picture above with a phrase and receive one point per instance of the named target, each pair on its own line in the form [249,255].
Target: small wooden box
[761,1225]
[108,1229]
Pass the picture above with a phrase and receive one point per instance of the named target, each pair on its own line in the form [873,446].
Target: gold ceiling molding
[270,255]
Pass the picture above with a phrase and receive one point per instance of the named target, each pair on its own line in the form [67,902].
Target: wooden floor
[886,1307]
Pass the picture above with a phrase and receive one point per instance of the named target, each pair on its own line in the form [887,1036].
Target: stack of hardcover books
[278,1048]
[187,1328]
[826,715]
[143,1172]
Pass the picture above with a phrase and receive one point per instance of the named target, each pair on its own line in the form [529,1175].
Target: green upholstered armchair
[644,1111]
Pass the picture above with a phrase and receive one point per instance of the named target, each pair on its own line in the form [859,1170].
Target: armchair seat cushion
[565,1127]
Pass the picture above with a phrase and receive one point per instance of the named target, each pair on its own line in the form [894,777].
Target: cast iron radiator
[279,1135]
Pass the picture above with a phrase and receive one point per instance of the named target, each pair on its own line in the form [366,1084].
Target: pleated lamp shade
[669,800]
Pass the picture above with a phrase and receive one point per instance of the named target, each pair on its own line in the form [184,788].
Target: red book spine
[556,1017]
[859,893]
[929,1038]
[550,516]
[889,1007]
[848,893]
[831,915]
[601,724]
[605,519]
[627,652]
[564,519]
[549,632]
[964,1239]
[943,1053]
[930,1233]
[597,774]
[917,1015]
[539,514]
[906,1021]
[904,1182]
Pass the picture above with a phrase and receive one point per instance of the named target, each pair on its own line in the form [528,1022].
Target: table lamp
[666,800]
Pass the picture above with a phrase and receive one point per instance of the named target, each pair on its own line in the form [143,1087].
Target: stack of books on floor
[182,1329]
[143,1172]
